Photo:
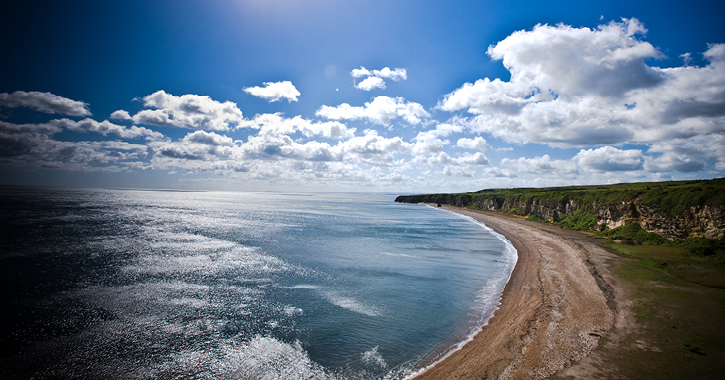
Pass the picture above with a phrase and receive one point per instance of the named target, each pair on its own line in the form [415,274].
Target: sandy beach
[555,307]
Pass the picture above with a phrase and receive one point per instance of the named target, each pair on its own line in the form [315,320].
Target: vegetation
[677,332]
[575,207]
[673,198]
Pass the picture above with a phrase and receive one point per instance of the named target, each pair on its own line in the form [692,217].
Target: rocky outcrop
[701,221]
[707,221]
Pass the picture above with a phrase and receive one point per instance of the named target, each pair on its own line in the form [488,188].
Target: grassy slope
[672,197]
[678,331]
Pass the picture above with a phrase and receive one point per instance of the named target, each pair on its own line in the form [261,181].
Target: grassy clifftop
[674,210]
[673,197]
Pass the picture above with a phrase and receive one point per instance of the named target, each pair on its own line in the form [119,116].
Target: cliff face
[699,221]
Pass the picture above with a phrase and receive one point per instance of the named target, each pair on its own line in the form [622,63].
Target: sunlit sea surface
[156,284]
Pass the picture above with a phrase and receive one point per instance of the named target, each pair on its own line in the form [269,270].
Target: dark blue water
[153,284]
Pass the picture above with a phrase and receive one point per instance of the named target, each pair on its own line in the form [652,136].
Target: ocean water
[213,285]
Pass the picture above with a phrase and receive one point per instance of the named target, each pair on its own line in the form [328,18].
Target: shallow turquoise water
[153,284]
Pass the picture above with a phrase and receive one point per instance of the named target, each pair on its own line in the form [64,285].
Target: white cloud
[371,83]
[442,158]
[188,111]
[577,87]
[477,143]
[36,150]
[45,128]
[396,74]
[276,124]
[44,102]
[608,159]
[543,165]
[477,158]
[120,115]
[375,77]
[381,110]
[498,173]
[688,155]
[457,171]
[275,91]
[105,127]
[372,149]
[207,138]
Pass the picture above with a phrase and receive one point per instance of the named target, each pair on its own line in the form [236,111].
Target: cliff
[673,210]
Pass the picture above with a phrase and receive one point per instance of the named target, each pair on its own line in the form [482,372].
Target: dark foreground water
[152,284]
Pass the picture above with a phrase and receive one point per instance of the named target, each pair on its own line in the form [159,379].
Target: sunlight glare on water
[149,284]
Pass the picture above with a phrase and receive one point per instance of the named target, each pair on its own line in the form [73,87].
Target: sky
[372,96]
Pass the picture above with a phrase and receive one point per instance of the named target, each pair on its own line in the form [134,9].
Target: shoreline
[553,309]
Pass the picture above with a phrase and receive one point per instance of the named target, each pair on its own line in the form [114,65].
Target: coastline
[553,309]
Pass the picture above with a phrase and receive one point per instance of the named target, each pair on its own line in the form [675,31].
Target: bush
[579,220]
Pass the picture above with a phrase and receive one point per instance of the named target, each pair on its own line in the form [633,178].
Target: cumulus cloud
[687,155]
[44,102]
[372,149]
[277,124]
[396,74]
[374,78]
[120,115]
[381,110]
[442,158]
[457,171]
[543,165]
[275,91]
[207,138]
[498,173]
[477,143]
[371,83]
[188,111]
[580,86]
[25,148]
[608,159]
[44,128]
[105,127]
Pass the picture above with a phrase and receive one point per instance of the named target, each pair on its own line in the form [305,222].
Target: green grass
[674,260]
[673,198]
[534,218]
[633,231]
[678,325]
[579,220]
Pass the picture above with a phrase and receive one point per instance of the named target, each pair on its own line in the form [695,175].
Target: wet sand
[557,303]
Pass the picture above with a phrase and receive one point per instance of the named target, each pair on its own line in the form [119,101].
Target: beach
[558,302]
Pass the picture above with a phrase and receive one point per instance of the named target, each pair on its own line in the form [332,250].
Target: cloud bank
[582,87]
[44,102]
[188,111]
[582,106]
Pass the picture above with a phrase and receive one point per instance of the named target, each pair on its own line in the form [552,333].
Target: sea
[134,284]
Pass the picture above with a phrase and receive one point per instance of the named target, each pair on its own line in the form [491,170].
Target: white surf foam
[351,304]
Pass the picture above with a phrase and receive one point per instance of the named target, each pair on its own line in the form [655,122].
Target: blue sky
[399,96]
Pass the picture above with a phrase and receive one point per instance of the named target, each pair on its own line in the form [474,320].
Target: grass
[678,331]
[578,220]
[675,260]
[672,198]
